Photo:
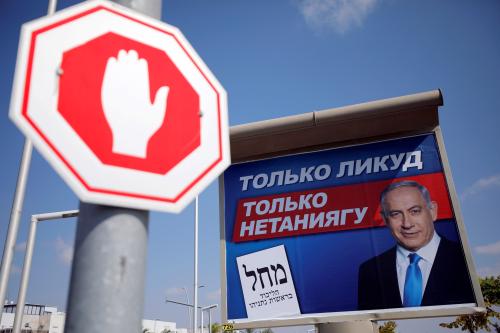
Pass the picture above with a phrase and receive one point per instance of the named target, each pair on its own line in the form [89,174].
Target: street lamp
[28,256]
[189,309]
[209,308]
[187,303]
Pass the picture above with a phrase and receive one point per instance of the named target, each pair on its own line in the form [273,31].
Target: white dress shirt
[428,254]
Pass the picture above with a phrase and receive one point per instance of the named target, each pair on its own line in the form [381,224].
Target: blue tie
[413,282]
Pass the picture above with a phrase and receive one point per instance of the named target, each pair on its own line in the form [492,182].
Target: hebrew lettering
[249,274]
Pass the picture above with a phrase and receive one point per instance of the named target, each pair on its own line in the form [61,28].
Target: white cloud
[64,251]
[489,270]
[481,185]
[341,15]
[493,248]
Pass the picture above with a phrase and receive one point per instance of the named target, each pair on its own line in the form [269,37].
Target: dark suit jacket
[448,282]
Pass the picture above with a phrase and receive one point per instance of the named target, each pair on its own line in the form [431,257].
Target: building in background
[46,319]
[37,318]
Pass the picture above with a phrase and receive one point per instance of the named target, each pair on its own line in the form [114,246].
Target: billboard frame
[340,127]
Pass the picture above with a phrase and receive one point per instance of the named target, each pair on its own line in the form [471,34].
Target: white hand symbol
[125,98]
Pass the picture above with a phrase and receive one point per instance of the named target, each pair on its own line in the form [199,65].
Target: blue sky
[280,58]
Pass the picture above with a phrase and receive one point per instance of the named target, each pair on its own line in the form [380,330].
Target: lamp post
[195,301]
[189,308]
[209,308]
[28,256]
[187,304]
[198,307]
[192,306]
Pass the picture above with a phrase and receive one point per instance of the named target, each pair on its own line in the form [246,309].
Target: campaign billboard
[309,236]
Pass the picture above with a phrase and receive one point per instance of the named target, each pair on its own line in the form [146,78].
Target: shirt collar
[427,252]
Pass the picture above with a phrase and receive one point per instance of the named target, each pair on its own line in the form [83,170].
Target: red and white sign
[121,106]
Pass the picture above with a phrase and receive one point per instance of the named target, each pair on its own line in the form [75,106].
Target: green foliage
[388,327]
[216,328]
[490,286]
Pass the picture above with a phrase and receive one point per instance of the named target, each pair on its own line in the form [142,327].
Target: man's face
[410,220]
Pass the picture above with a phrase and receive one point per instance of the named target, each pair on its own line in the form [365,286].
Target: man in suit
[423,268]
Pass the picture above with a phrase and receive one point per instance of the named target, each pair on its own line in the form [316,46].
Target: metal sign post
[107,279]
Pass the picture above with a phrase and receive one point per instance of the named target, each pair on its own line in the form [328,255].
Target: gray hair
[423,190]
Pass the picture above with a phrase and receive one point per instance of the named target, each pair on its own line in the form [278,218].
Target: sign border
[95,194]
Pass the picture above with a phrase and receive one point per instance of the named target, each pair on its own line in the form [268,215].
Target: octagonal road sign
[121,106]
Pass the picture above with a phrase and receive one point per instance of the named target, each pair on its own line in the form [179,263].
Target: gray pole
[17,206]
[195,304]
[201,321]
[189,308]
[21,298]
[209,320]
[107,278]
[15,215]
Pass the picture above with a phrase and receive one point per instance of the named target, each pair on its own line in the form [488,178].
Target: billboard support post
[360,326]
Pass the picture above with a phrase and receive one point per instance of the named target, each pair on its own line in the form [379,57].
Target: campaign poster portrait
[306,235]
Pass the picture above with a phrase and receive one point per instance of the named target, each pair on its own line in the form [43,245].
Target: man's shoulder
[449,243]
[449,246]
[389,256]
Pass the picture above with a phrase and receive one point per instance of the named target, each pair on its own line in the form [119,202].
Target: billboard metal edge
[405,109]
[458,216]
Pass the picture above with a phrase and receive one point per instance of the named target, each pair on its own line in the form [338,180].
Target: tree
[388,327]
[216,328]
[472,323]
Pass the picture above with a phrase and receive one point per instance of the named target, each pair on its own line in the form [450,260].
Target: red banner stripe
[335,209]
